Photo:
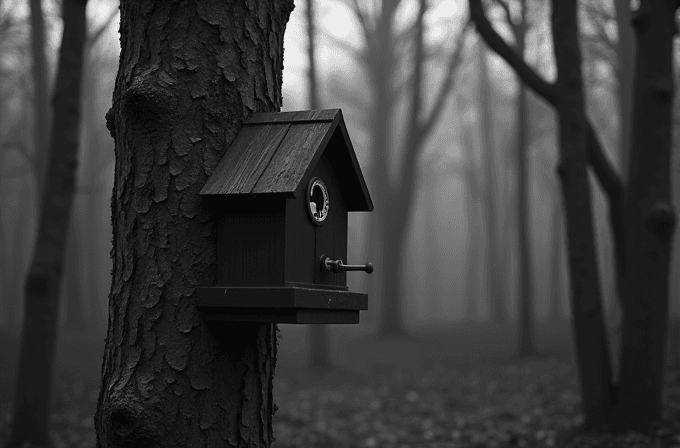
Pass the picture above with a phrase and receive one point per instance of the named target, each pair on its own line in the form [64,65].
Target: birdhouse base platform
[284,304]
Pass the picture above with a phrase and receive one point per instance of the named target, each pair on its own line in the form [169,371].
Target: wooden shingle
[274,153]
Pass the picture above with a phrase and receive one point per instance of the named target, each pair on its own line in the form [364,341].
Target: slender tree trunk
[319,343]
[472,218]
[555,289]
[41,125]
[625,52]
[650,218]
[494,265]
[34,377]
[168,379]
[526,344]
[586,304]
[75,318]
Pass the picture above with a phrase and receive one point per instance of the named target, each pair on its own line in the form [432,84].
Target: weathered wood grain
[246,159]
[293,117]
[295,156]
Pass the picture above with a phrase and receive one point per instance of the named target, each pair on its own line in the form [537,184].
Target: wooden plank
[245,160]
[293,117]
[250,244]
[301,316]
[298,150]
[279,298]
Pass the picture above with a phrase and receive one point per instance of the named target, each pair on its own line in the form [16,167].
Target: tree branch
[356,53]
[443,94]
[543,88]
[93,38]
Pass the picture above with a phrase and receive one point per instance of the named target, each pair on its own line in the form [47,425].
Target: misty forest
[521,176]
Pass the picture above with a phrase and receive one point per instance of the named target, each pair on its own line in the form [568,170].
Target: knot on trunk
[130,425]
[660,219]
[150,101]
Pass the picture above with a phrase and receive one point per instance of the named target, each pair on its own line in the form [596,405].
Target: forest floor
[448,386]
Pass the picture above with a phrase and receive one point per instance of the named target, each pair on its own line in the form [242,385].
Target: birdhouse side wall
[251,244]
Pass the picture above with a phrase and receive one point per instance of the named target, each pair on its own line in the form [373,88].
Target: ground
[451,386]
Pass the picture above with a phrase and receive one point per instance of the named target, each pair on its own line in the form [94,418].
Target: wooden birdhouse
[281,195]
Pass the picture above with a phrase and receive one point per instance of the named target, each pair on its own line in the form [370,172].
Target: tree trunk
[494,265]
[319,344]
[41,125]
[472,218]
[34,376]
[75,318]
[625,52]
[525,321]
[555,289]
[392,322]
[649,216]
[586,304]
[181,95]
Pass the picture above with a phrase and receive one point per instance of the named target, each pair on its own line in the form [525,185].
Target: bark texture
[41,290]
[189,75]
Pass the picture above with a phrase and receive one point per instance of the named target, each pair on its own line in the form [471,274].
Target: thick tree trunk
[586,304]
[41,117]
[180,97]
[650,217]
[34,376]
[319,344]
[494,264]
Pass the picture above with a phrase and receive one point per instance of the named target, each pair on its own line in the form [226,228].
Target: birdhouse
[281,195]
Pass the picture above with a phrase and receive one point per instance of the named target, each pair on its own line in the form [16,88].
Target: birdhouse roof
[277,152]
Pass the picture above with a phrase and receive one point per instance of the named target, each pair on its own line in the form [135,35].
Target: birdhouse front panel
[316,225]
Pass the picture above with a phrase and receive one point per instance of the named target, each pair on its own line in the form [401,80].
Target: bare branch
[543,88]
[94,37]
[358,54]
[414,128]
[452,71]
[508,16]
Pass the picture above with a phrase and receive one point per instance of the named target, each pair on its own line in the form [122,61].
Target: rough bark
[41,290]
[650,218]
[41,125]
[319,343]
[188,78]
[495,265]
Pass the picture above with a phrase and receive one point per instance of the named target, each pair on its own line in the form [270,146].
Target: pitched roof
[276,153]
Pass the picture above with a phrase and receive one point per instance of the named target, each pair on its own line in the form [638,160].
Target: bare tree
[180,98]
[642,230]
[41,290]
[394,190]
